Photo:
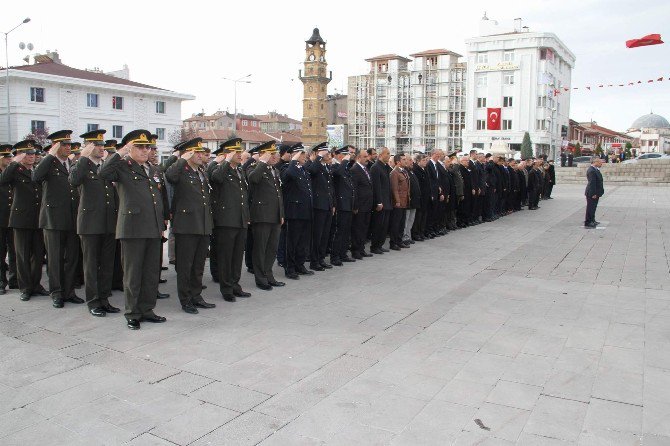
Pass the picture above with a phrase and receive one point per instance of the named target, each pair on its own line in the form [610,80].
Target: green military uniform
[117,277]
[139,227]
[191,226]
[96,224]
[7,252]
[58,213]
[267,213]
[24,221]
[230,208]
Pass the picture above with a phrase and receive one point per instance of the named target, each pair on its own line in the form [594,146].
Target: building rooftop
[650,121]
[316,37]
[437,52]
[388,57]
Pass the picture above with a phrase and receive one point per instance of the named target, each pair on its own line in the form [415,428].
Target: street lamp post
[245,80]
[9,130]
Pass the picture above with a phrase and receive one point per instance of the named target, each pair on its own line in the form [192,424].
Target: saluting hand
[219,158]
[264,158]
[19,157]
[123,151]
[87,150]
[295,156]
[188,155]
[54,149]
[230,156]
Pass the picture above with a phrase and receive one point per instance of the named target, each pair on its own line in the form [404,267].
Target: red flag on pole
[493,119]
[651,39]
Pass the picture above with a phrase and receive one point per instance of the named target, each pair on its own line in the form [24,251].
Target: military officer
[323,205]
[96,223]
[230,208]
[58,215]
[297,189]
[117,278]
[345,194]
[139,225]
[192,222]
[24,219]
[157,174]
[7,253]
[267,213]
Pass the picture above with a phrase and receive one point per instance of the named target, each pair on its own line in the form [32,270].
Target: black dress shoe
[74,299]
[97,311]
[160,295]
[203,304]
[384,249]
[366,254]
[117,288]
[58,302]
[172,262]
[264,286]
[13,286]
[304,271]
[336,262]
[162,280]
[357,256]
[292,276]
[41,292]
[317,267]
[154,318]
[190,309]
[133,324]
[275,283]
[377,251]
[110,309]
[229,298]
[25,297]
[590,226]
[164,268]
[395,247]
[325,265]
[250,270]
[3,291]
[241,293]
[204,287]
[596,222]
[347,260]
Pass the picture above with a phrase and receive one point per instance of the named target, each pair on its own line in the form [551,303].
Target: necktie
[146,169]
[66,165]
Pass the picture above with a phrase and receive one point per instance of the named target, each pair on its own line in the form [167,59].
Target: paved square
[528,330]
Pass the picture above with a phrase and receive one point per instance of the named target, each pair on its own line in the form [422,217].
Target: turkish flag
[651,39]
[493,119]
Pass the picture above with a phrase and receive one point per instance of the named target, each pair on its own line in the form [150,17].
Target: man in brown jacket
[400,199]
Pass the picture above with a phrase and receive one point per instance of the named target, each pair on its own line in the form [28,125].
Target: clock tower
[315,87]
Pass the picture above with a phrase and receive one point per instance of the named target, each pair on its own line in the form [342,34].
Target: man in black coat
[284,151]
[345,197]
[381,197]
[550,180]
[96,224]
[297,188]
[423,178]
[323,205]
[533,185]
[436,195]
[447,181]
[466,205]
[7,252]
[362,206]
[594,190]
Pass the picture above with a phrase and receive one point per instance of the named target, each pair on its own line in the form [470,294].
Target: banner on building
[493,118]
[335,135]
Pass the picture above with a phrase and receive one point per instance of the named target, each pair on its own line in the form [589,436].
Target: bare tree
[181,135]
[39,135]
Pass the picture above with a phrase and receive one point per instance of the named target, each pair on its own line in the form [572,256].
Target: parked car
[581,159]
[647,156]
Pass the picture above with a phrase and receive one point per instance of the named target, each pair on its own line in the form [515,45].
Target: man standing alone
[594,190]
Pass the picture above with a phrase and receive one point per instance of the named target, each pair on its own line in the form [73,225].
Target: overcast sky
[191,46]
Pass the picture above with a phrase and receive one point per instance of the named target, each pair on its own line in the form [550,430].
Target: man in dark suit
[7,252]
[139,226]
[267,213]
[58,215]
[381,198]
[421,174]
[96,224]
[436,195]
[550,180]
[594,190]
[230,208]
[345,197]
[323,205]
[24,219]
[192,223]
[469,193]
[284,159]
[297,188]
[363,204]
[399,181]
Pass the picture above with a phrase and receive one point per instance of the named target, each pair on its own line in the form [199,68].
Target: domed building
[653,133]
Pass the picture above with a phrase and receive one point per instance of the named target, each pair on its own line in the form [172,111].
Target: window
[482,58]
[481,102]
[481,124]
[160,133]
[117,131]
[91,127]
[507,124]
[508,79]
[245,123]
[37,126]
[160,107]
[36,94]
[507,101]
[541,101]
[254,124]
[541,124]
[480,79]
[91,100]
[508,56]
[117,102]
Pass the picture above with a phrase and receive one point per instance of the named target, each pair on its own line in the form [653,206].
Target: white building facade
[408,105]
[53,96]
[527,75]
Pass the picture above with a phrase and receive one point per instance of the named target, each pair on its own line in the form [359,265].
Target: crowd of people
[97,213]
